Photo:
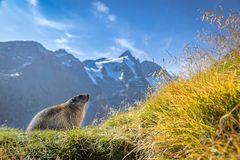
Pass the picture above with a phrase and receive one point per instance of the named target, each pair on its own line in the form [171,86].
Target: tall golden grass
[197,116]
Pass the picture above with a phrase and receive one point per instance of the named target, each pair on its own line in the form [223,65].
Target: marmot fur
[63,116]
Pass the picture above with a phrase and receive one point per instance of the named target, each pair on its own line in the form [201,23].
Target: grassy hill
[90,143]
[193,118]
[196,118]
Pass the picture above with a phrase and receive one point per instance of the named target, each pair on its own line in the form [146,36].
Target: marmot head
[79,100]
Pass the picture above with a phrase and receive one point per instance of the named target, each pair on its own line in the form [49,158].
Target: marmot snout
[79,99]
[62,116]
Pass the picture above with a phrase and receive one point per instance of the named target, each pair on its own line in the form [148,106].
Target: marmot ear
[73,100]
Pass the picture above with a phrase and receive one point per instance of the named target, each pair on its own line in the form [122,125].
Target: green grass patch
[89,143]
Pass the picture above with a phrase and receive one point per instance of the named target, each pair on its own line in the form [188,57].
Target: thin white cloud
[9,15]
[100,7]
[33,2]
[53,34]
[102,10]
[110,52]
[111,17]
[61,40]
[41,20]
[127,44]
[124,42]
[68,35]
[146,39]
[168,41]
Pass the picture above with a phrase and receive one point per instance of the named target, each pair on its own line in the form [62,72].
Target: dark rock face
[148,68]
[32,78]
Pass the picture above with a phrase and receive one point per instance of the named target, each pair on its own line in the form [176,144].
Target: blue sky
[93,29]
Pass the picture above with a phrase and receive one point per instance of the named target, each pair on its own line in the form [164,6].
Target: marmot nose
[84,96]
[87,97]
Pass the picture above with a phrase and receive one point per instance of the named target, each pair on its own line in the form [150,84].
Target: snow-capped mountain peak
[123,69]
[128,54]
[103,68]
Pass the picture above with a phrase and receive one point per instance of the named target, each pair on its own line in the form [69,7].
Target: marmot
[63,116]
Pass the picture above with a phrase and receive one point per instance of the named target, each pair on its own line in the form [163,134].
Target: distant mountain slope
[154,73]
[32,77]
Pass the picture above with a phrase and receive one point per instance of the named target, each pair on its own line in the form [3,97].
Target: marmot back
[62,116]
